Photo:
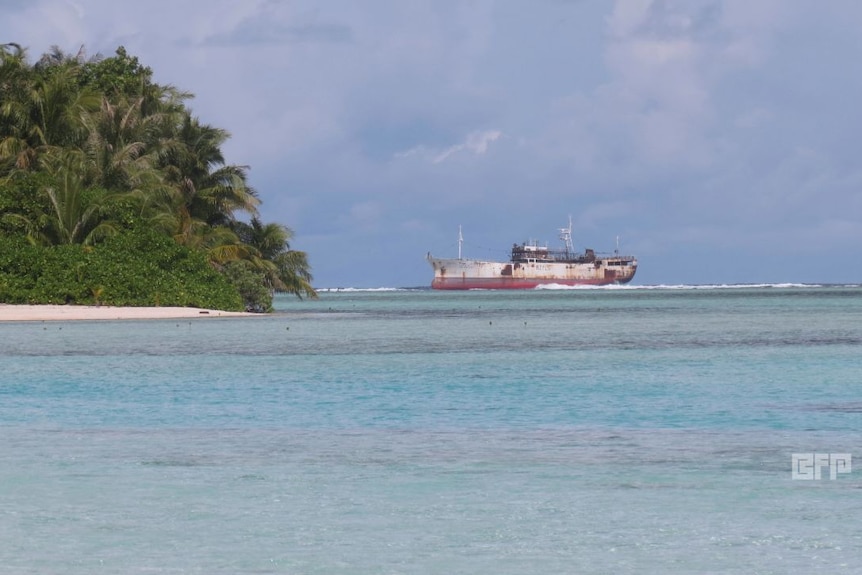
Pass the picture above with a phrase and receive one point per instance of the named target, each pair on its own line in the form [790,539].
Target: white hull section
[476,274]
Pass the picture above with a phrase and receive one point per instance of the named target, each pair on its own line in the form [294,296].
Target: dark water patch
[492,343]
[172,463]
[251,477]
[854,407]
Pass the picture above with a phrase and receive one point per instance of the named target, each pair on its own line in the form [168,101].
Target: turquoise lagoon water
[639,430]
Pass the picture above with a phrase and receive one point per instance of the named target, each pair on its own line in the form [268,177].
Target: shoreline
[26,312]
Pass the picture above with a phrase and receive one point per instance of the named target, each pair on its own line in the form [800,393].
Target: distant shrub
[139,268]
[249,282]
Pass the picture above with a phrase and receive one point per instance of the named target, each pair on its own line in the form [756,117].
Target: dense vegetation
[113,192]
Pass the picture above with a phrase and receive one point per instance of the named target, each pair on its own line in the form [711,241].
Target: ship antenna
[566,236]
[460,241]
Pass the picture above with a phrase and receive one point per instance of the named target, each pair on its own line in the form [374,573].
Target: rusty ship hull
[531,266]
[463,274]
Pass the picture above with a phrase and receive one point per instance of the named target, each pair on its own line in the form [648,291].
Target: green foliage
[140,268]
[119,74]
[93,150]
[284,270]
[249,282]
[21,201]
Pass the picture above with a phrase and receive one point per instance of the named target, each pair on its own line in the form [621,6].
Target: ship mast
[460,241]
[566,236]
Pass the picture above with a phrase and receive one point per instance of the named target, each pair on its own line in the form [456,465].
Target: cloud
[696,126]
[269,27]
[475,143]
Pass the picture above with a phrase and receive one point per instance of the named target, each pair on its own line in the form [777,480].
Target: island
[114,194]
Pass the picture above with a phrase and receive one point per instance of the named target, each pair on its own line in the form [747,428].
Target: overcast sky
[718,139]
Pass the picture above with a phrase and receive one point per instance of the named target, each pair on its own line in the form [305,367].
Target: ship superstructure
[532,265]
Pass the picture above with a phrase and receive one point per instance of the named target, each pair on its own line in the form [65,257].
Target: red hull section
[511,283]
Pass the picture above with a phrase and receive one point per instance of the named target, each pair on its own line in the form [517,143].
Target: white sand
[83,312]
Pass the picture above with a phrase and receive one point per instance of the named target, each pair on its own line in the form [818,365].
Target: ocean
[605,430]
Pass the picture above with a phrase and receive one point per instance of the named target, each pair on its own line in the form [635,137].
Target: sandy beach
[82,312]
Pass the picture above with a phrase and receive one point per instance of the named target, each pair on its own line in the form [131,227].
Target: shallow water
[411,431]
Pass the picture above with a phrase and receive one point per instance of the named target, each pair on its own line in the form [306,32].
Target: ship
[532,265]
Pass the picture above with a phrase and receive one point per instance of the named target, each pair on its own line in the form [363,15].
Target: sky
[716,140]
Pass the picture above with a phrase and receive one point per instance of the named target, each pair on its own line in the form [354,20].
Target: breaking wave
[785,285]
[354,289]
[685,286]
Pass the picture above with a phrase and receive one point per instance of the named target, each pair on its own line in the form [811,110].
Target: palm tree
[15,79]
[42,108]
[206,188]
[76,211]
[201,194]
[285,270]
[120,145]
[75,135]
